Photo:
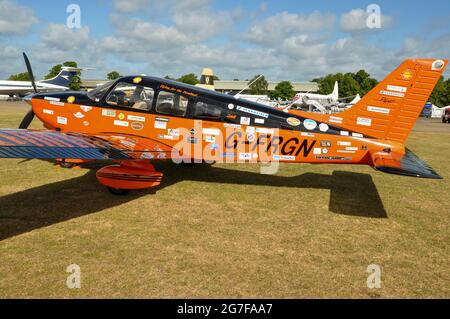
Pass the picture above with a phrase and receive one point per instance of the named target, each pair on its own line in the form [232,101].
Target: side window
[132,96]
[208,110]
[171,103]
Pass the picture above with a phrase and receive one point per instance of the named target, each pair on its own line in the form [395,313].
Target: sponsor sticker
[251,137]
[325,143]
[214,146]
[245,156]
[210,139]
[230,106]
[121,116]
[173,132]
[245,120]
[71,99]
[61,120]
[192,140]
[344,133]
[251,111]
[293,121]
[336,119]
[317,151]
[49,98]
[344,143]
[108,112]
[86,108]
[357,135]
[351,148]
[325,150]
[364,121]
[306,134]
[165,137]
[137,126]
[50,112]
[309,124]
[377,109]
[136,118]
[250,129]
[121,123]
[407,75]
[161,125]
[86,123]
[264,130]
[57,103]
[323,127]
[283,158]
[389,93]
[232,125]
[437,65]
[396,88]
[78,115]
[211,131]
[137,80]
[259,121]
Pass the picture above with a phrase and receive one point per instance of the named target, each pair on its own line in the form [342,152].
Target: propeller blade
[27,120]
[30,72]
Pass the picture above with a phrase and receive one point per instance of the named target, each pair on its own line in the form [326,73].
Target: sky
[284,40]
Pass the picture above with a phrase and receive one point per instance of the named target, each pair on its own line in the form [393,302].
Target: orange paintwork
[386,114]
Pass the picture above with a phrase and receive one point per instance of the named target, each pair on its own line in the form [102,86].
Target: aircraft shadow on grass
[352,194]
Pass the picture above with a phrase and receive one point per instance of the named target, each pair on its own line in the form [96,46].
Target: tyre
[118,191]
[66,164]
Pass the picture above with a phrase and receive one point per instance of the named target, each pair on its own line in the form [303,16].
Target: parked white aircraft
[23,88]
[304,98]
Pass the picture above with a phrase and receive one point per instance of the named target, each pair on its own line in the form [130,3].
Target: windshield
[97,93]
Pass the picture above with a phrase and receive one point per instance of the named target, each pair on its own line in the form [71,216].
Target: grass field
[228,231]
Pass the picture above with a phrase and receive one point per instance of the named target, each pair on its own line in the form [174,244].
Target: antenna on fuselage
[248,85]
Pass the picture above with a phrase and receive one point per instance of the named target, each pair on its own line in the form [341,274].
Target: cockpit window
[97,93]
[171,103]
[131,95]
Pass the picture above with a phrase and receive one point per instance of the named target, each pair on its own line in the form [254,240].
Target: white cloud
[356,21]
[128,6]
[277,27]
[59,36]
[15,19]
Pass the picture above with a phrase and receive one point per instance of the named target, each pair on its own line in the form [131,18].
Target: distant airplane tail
[335,93]
[390,110]
[64,76]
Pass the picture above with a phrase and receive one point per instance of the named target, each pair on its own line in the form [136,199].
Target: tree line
[350,84]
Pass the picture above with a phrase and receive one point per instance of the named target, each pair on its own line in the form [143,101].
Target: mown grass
[226,230]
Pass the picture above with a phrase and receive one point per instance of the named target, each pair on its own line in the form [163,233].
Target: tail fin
[64,77]
[335,93]
[390,110]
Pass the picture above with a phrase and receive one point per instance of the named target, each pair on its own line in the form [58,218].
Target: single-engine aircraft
[138,119]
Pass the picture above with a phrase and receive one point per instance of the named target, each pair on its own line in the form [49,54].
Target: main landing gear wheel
[66,164]
[118,191]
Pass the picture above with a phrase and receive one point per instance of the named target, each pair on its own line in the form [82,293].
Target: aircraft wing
[408,164]
[44,144]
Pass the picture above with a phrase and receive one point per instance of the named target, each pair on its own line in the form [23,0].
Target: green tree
[113,75]
[283,90]
[349,84]
[216,78]
[440,94]
[19,77]
[75,83]
[190,78]
[259,87]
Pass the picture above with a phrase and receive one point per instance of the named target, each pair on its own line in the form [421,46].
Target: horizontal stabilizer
[408,164]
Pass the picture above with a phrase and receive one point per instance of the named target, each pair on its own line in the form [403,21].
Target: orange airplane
[135,120]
